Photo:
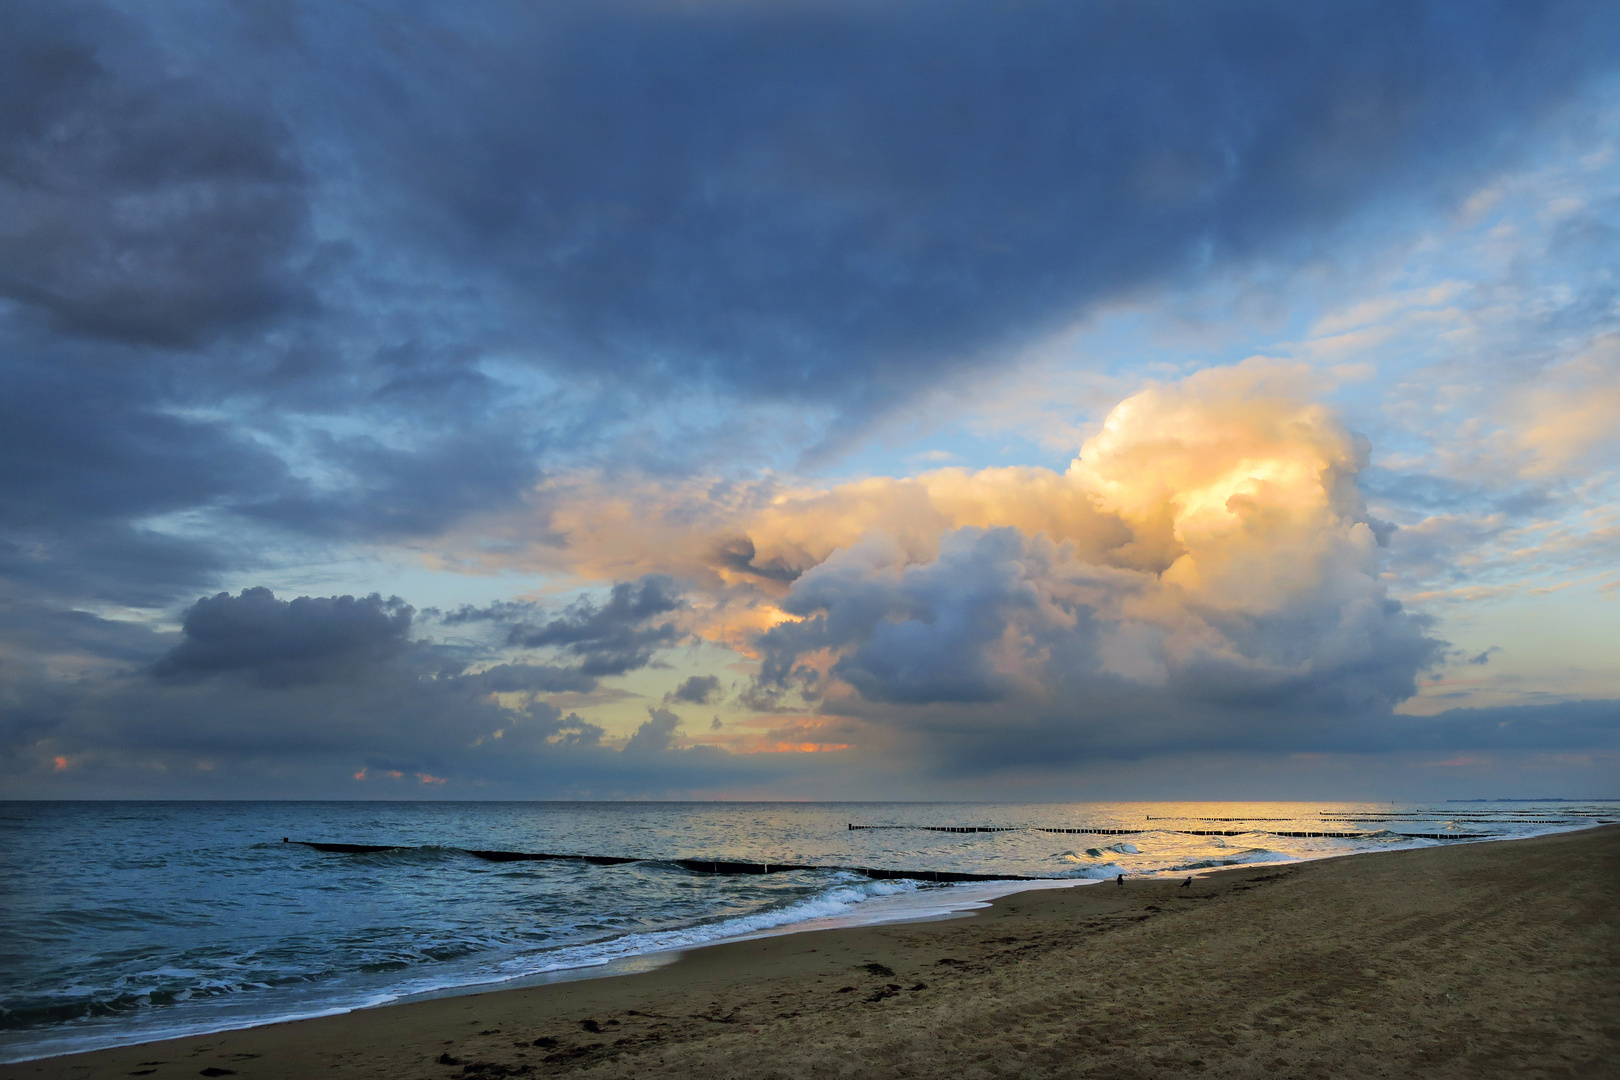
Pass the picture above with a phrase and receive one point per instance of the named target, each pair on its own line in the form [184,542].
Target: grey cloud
[317,696]
[115,562]
[697,690]
[136,736]
[833,200]
[659,736]
[403,492]
[36,630]
[921,639]
[1563,725]
[311,639]
[498,611]
[383,708]
[739,555]
[656,734]
[533,678]
[1031,736]
[999,653]
[89,453]
[613,637]
[142,207]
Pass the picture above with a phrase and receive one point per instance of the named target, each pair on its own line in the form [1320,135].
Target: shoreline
[877,910]
[899,909]
[1478,959]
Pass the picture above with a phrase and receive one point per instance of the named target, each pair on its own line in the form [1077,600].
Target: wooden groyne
[698,866]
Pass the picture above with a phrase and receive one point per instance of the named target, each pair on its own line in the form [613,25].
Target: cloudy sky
[809,399]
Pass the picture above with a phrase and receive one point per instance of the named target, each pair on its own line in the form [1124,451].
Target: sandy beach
[1478,960]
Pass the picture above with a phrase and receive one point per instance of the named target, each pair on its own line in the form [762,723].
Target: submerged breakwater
[696,866]
[126,922]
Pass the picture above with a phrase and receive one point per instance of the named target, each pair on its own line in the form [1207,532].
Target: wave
[167,986]
[831,903]
[1097,872]
[1239,858]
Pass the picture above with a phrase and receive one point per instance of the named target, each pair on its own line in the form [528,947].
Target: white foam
[1096,872]
[854,903]
[917,905]
[1241,858]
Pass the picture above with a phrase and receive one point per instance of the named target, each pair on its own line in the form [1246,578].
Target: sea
[125,922]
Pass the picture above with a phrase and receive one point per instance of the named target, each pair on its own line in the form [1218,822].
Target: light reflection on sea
[132,921]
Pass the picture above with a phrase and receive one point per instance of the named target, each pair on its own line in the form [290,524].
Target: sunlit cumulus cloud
[1205,575]
[1204,569]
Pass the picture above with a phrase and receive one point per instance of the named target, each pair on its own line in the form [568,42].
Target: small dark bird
[1187,884]
[1120,880]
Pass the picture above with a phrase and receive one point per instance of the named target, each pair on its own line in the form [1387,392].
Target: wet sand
[1471,961]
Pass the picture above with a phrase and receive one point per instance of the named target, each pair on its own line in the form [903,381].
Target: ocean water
[123,922]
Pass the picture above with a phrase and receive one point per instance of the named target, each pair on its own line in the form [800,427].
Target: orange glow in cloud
[781,735]
[395,774]
[1228,493]
[1228,482]
[61,763]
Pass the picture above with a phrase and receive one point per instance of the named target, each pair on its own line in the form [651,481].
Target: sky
[809,399]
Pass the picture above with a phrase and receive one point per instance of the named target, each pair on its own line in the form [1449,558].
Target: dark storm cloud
[615,636]
[311,639]
[79,445]
[260,715]
[29,628]
[395,493]
[140,207]
[835,199]
[89,450]
[318,695]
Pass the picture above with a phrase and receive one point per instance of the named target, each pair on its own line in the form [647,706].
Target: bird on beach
[1120,880]
[1187,884]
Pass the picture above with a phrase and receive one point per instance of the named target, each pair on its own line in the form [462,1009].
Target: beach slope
[1469,961]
